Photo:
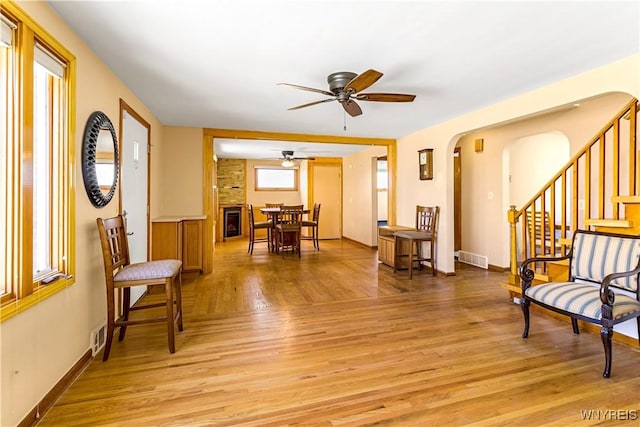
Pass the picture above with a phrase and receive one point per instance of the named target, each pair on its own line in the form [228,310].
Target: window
[36,220]
[274,178]
[382,175]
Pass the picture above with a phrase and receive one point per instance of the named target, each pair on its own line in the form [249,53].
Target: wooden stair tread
[626,199]
[613,223]
[513,288]
[564,241]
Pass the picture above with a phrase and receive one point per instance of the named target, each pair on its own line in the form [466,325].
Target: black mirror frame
[97,121]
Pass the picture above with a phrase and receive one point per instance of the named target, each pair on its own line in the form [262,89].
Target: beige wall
[359,210]
[259,198]
[620,76]
[41,344]
[180,172]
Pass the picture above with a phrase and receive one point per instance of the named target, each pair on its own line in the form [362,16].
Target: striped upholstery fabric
[149,270]
[596,256]
[580,298]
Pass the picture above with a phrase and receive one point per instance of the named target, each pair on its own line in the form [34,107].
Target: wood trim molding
[133,113]
[210,134]
[32,418]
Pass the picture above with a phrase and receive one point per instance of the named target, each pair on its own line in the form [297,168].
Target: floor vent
[97,338]
[473,259]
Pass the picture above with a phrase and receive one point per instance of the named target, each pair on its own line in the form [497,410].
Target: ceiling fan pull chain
[344,114]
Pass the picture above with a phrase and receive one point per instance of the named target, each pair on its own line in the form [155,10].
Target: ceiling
[217,63]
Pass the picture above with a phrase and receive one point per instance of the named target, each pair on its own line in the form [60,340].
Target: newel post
[511,215]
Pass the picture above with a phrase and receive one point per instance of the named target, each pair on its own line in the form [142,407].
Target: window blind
[6,32]
[52,64]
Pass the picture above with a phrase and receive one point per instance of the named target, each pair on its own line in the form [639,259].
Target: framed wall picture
[425,162]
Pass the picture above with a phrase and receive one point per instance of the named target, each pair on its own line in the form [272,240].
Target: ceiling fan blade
[352,108]
[363,81]
[311,103]
[310,89]
[385,97]
[303,158]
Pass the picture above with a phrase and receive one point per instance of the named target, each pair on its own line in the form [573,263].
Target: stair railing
[583,188]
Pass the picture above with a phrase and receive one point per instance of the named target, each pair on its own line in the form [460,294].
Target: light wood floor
[334,338]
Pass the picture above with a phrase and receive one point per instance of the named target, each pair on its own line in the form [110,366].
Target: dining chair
[121,274]
[426,227]
[273,205]
[313,225]
[288,229]
[258,225]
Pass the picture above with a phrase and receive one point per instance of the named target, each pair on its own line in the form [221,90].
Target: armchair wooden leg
[524,305]
[574,325]
[606,333]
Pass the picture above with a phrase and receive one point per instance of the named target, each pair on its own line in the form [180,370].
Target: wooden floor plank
[335,339]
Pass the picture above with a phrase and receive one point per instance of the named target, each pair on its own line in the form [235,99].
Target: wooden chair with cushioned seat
[288,229]
[426,226]
[313,225]
[258,225]
[121,274]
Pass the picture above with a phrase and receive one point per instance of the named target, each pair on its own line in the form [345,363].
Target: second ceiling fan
[345,88]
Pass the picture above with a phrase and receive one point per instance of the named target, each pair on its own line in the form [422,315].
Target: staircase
[597,189]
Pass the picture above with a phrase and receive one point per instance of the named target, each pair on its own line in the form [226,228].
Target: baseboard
[54,394]
[359,243]
[497,268]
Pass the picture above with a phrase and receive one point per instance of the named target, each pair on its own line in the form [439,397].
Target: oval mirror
[99,159]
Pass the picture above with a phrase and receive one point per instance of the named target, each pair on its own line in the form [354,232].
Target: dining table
[272,214]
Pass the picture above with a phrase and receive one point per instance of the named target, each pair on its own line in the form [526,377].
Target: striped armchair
[602,286]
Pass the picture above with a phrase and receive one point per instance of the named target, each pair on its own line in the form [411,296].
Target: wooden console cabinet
[386,244]
[179,238]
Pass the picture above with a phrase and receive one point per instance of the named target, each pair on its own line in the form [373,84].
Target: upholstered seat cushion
[309,223]
[149,270]
[416,235]
[263,224]
[580,298]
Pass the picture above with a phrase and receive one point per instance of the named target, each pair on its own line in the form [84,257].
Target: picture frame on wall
[425,163]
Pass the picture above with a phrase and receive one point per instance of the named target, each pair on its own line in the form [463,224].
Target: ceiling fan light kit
[345,86]
[287,159]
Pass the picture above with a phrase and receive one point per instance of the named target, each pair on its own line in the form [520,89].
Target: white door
[133,189]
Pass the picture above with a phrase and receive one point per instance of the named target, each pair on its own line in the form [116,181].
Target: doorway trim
[209,135]
[126,107]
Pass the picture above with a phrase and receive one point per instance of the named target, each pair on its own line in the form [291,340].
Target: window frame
[296,178]
[22,290]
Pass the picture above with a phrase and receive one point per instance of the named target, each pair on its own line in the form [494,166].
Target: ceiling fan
[345,88]
[287,158]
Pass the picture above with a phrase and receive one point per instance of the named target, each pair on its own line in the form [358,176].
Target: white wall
[620,76]
[359,176]
[485,230]
[533,161]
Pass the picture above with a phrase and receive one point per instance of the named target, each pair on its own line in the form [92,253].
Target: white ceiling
[217,63]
